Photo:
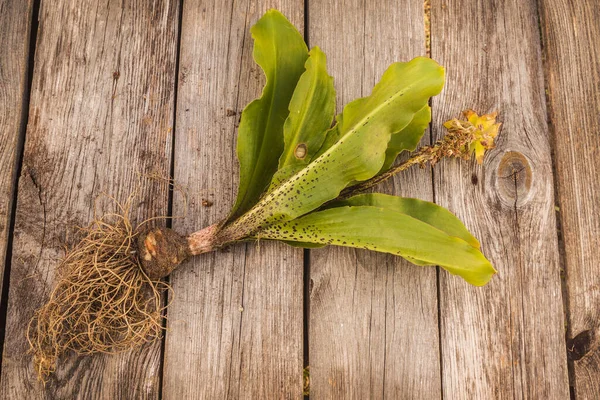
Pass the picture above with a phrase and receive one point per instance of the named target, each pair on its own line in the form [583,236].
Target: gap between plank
[32,38]
[561,244]
[427,28]
[169,221]
[306,266]
[427,21]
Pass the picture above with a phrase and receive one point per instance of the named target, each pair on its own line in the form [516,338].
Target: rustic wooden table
[95,92]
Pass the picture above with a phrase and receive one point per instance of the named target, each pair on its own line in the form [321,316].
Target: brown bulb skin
[161,250]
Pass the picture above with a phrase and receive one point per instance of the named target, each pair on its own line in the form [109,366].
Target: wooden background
[95,92]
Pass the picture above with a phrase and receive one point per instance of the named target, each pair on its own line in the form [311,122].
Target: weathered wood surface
[373,317]
[572,42]
[236,322]
[101,112]
[15,26]
[505,340]
[235,325]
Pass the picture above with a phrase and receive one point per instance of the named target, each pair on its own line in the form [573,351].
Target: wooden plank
[572,39]
[505,340]
[235,325]
[373,317]
[15,26]
[101,113]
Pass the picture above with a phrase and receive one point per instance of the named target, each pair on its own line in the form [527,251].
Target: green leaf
[389,231]
[280,51]
[408,138]
[311,111]
[418,262]
[365,128]
[425,211]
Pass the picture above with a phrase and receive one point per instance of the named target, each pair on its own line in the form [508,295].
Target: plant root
[103,302]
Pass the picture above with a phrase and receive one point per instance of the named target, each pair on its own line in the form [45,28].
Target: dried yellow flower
[479,132]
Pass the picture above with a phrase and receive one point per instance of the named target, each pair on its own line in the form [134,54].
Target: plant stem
[463,138]
[203,241]
[418,158]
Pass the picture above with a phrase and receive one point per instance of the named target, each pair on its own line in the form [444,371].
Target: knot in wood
[514,179]
[582,344]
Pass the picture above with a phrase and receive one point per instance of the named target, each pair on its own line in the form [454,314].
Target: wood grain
[101,113]
[373,317]
[15,26]
[572,40]
[505,340]
[235,324]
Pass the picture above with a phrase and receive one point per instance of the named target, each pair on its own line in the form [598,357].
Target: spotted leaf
[365,128]
[389,231]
